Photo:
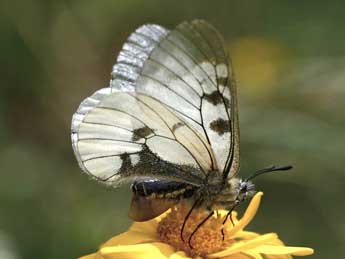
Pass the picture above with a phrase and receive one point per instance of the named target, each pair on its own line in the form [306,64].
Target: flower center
[208,238]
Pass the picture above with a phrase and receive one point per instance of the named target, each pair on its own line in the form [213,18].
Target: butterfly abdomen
[152,189]
[152,197]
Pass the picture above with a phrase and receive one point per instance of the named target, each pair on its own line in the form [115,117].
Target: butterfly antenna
[269,169]
[187,216]
[198,226]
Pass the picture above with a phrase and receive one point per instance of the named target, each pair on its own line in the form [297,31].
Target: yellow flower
[160,238]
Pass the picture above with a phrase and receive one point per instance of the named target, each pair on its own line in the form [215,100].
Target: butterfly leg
[196,203]
[198,226]
[227,216]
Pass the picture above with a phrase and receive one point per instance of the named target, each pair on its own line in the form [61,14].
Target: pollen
[208,238]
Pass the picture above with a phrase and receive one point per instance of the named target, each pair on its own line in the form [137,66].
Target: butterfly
[168,123]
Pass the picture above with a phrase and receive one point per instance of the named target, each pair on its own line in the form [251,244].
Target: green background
[289,58]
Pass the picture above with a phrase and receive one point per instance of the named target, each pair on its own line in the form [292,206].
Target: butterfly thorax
[219,193]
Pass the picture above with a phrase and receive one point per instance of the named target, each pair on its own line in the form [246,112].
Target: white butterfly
[170,111]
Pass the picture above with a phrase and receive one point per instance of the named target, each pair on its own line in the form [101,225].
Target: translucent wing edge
[233,163]
[134,53]
[87,105]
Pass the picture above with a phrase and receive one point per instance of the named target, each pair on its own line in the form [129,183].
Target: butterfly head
[246,189]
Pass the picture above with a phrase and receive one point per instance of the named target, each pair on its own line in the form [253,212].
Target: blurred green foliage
[289,57]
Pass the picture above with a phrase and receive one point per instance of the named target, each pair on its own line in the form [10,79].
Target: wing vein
[105,124]
[176,59]
[131,115]
[99,157]
[111,139]
[166,86]
[200,167]
[191,57]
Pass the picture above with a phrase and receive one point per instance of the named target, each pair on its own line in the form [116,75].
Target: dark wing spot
[176,126]
[126,163]
[214,97]
[141,133]
[222,81]
[220,126]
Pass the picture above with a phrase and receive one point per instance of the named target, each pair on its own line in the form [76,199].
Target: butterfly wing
[170,111]
[188,70]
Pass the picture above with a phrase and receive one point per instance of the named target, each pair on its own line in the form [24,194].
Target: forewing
[226,142]
[187,70]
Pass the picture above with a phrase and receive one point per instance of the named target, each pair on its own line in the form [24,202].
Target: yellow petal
[222,213]
[139,232]
[91,256]
[278,257]
[245,245]
[275,242]
[143,251]
[283,250]
[237,256]
[162,216]
[246,235]
[248,215]
[147,226]
[129,238]
[252,254]
[181,255]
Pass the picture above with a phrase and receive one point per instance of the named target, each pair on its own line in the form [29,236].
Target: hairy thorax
[219,194]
